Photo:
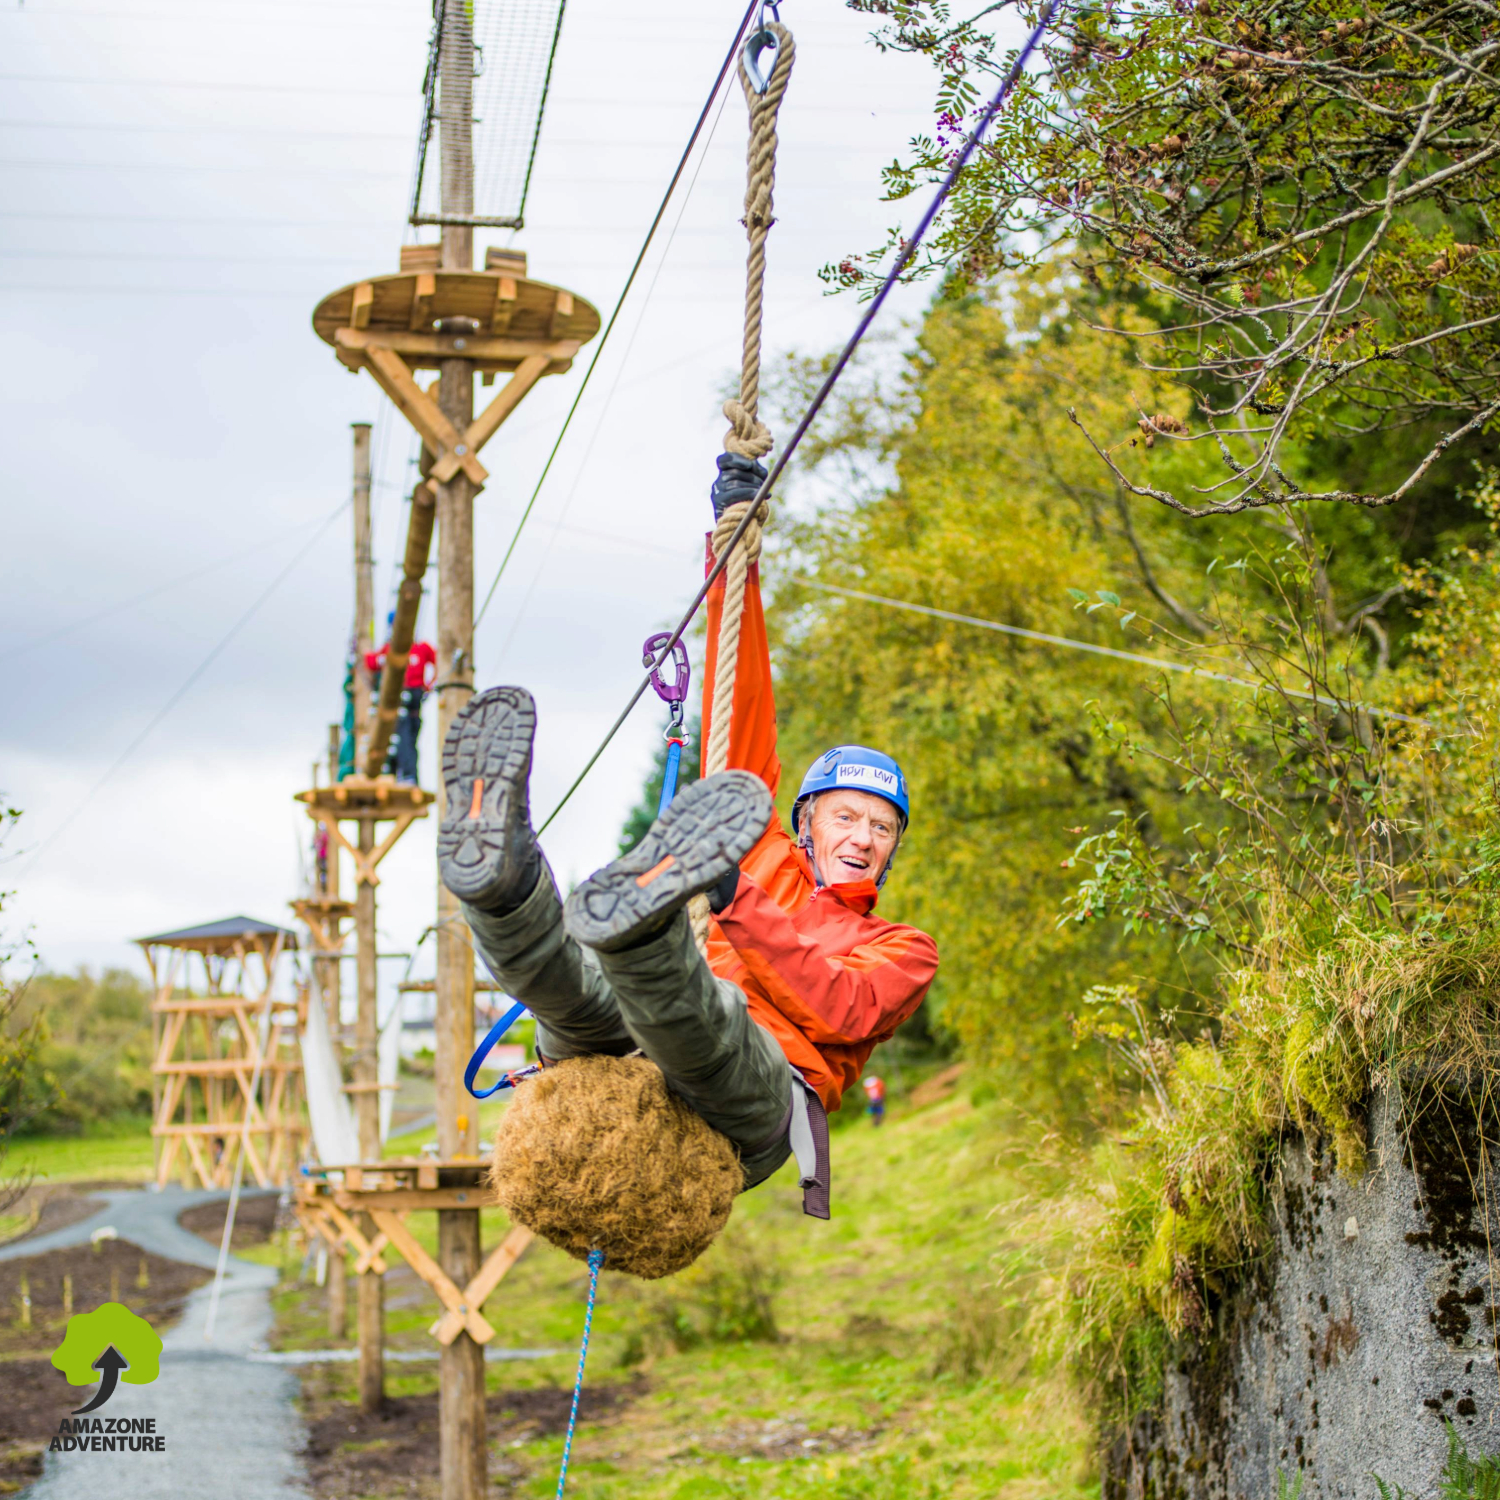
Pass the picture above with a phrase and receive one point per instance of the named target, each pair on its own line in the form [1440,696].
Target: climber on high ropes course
[802,978]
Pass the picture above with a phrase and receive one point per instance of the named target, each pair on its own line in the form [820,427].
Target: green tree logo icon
[105,1345]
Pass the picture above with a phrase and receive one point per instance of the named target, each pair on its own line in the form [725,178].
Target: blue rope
[596,1259]
[482,1051]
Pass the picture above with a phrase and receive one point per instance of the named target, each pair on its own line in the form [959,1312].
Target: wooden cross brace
[367,1252]
[454,450]
[366,860]
[462,1307]
[315,1222]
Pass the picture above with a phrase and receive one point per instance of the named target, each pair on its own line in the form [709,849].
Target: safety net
[490,62]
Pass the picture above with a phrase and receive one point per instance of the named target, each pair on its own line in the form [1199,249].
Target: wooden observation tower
[227,1074]
[438,314]
[435,314]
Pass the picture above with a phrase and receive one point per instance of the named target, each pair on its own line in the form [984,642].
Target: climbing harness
[596,1260]
[673,694]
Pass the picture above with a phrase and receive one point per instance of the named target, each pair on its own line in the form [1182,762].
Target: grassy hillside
[898,1371]
[113,1150]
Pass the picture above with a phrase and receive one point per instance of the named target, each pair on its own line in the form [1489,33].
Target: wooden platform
[329,1199]
[362,799]
[378,797]
[512,318]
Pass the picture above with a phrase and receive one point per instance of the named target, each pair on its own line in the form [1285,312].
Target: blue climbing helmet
[859,769]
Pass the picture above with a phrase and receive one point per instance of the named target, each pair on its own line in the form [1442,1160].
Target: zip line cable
[908,250]
[1130,656]
[183,690]
[661,213]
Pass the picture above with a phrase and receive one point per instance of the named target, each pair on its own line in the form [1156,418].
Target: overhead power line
[908,250]
[116,128]
[186,687]
[217,85]
[279,168]
[1134,657]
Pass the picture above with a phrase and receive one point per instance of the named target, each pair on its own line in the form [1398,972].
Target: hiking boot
[487,853]
[704,834]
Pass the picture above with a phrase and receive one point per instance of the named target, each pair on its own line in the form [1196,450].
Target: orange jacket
[822,973]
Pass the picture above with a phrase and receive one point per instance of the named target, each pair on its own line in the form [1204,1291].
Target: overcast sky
[181,184]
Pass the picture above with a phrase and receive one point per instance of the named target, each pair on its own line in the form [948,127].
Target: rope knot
[747,433]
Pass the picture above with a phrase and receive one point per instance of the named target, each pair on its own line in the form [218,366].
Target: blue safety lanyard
[482,1051]
[669,774]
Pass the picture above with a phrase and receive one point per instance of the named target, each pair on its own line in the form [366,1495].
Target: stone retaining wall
[1371,1322]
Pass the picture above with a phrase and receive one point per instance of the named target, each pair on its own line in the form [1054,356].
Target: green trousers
[661,999]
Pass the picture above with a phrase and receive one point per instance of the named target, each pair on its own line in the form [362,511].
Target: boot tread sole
[490,741]
[710,826]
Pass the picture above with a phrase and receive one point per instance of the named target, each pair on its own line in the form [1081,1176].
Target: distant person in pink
[875,1092]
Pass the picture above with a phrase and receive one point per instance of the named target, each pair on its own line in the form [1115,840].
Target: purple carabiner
[676,690]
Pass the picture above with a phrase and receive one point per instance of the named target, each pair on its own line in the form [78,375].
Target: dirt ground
[354,1457]
[254,1220]
[34,1397]
[114,1271]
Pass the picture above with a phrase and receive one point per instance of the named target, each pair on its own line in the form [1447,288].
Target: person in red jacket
[802,979]
[421,673]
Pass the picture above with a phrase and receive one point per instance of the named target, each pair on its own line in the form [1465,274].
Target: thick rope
[747,433]
[596,1259]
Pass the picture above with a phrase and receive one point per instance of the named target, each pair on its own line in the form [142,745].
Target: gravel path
[231,1427]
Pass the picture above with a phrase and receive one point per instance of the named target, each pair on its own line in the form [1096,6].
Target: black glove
[740,478]
[721,893]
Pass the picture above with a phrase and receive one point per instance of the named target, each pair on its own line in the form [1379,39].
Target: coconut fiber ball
[595,1153]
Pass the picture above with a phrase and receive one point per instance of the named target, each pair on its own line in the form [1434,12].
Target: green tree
[982,497]
[25,1087]
[1302,192]
[91,1061]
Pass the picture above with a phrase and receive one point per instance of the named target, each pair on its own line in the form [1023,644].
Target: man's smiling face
[854,835]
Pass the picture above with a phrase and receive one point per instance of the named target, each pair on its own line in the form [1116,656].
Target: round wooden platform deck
[501,304]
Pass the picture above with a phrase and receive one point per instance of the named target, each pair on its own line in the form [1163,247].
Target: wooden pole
[367,1113]
[338,1296]
[329,975]
[462,1444]
[364,586]
[404,626]
[366,1070]
[330,985]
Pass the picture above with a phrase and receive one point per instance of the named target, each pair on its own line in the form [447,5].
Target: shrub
[727,1297]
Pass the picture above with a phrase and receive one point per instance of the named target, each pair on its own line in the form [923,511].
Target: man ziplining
[801,980]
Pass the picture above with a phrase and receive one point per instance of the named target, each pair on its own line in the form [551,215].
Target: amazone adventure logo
[107,1346]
